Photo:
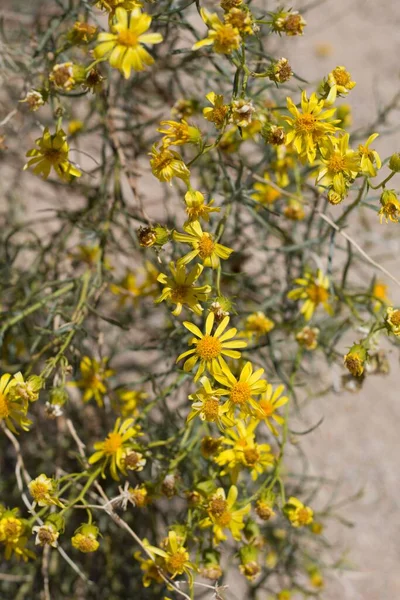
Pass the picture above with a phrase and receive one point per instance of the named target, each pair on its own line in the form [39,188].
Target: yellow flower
[379,293]
[241,112]
[281,166]
[196,208]
[257,324]
[289,22]
[268,404]
[219,111]
[151,568]
[179,133]
[265,194]
[308,337]
[223,515]
[203,244]
[241,391]
[62,75]
[355,359]
[85,538]
[390,206]
[112,5]
[43,490]
[369,159]
[307,128]
[297,513]
[210,348]
[81,33]
[339,164]
[180,289]
[392,320]
[46,535]
[93,382]
[112,450]
[127,289]
[338,83]
[314,290]
[13,534]
[34,100]
[123,47]
[166,164]
[245,452]
[129,401]
[75,126]
[222,36]
[207,406]
[53,152]
[242,20]
[13,408]
[176,559]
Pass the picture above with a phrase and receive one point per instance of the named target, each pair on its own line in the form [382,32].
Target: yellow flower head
[166,164]
[355,359]
[222,515]
[241,391]
[180,289]
[112,451]
[52,152]
[289,22]
[85,538]
[379,292]
[222,36]
[81,33]
[392,320]
[339,165]
[127,289]
[93,381]
[314,290]
[177,134]
[176,559]
[390,210]
[204,246]
[338,83]
[257,324]
[210,348]
[112,5]
[123,45]
[244,452]
[13,406]
[369,159]
[309,128]
[62,76]
[196,208]
[207,406]
[129,401]
[43,490]
[219,111]
[268,404]
[307,338]
[297,513]
[46,535]
[240,19]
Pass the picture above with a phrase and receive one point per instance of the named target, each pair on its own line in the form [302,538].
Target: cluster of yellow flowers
[227,360]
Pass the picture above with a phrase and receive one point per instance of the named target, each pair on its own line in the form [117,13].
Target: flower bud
[394,162]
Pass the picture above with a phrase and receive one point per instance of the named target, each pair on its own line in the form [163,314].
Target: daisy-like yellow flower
[180,289]
[123,45]
[93,381]
[166,164]
[392,320]
[13,534]
[210,348]
[269,403]
[129,402]
[244,452]
[52,152]
[151,568]
[207,406]
[44,491]
[297,513]
[196,208]
[112,450]
[223,515]
[112,5]
[242,20]
[241,391]
[309,128]
[264,193]
[339,164]
[370,160]
[289,22]
[390,210]
[127,289]
[179,133]
[85,538]
[338,83]
[222,36]
[314,290]
[13,407]
[204,246]
[282,165]
[176,559]
[219,111]
[257,324]
[379,293]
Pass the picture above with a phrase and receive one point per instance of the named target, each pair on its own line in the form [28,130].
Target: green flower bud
[394,162]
